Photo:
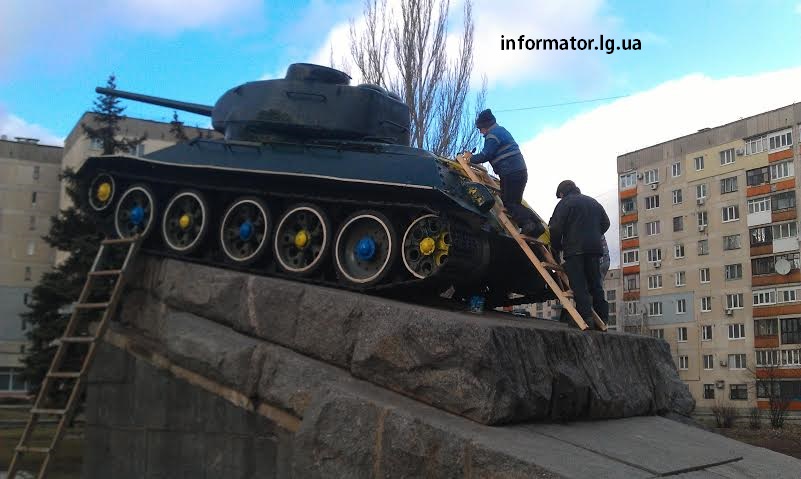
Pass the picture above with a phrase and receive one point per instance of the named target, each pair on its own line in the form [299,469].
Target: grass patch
[69,454]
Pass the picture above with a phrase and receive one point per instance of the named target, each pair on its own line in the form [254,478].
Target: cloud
[62,32]
[585,148]
[12,126]
[534,19]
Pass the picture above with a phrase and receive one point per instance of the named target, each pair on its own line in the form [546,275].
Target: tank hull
[396,187]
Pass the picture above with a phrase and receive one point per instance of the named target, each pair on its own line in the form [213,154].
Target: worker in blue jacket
[502,152]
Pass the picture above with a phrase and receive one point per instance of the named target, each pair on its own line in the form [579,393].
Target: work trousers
[512,186]
[584,273]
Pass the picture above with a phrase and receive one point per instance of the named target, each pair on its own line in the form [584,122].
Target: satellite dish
[782,266]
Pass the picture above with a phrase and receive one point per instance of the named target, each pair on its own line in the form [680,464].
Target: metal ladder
[73,335]
[553,273]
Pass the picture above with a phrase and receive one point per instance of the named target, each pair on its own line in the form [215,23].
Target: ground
[70,453]
[786,440]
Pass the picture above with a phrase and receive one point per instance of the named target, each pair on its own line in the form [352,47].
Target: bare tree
[768,385]
[409,56]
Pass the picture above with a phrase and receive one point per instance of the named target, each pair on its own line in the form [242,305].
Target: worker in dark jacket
[576,228]
[502,152]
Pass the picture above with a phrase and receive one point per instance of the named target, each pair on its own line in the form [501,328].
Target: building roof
[30,151]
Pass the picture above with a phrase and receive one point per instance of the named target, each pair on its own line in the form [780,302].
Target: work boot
[533,229]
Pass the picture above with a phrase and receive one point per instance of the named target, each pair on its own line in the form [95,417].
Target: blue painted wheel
[245,230]
[365,248]
[135,212]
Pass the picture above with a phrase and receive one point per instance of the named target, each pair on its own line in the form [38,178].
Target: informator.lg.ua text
[608,45]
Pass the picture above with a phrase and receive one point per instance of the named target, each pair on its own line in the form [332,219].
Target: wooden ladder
[550,270]
[74,335]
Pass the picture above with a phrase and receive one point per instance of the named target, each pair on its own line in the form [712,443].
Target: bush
[755,418]
[724,415]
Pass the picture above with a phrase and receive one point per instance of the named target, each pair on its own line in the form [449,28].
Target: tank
[313,180]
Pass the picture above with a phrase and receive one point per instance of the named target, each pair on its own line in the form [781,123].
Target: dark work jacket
[577,225]
[502,152]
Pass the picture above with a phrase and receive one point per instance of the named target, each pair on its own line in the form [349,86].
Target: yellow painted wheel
[185,221]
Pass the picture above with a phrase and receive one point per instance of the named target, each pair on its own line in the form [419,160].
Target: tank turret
[310,102]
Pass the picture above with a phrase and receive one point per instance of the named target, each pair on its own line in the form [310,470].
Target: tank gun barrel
[204,110]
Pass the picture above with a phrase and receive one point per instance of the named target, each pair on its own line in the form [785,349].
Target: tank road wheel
[101,192]
[185,221]
[301,239]
[245,230]
[425,245]
[135,212]
[365,248]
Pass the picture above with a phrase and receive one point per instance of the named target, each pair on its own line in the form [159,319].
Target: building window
[33,199]
[655,308]
[632,307]
[699,163]
[709,391]
[766,327]
[731,242]
[737,361]
[629,180]
[677,197]
[653,228]
[780,140]
[791,357]
[738,392]
[760,266]
[703,247]
[96,144]
[31,248]
[628,206]
[786,295]
[11,380]
[631,257]
[651,176]
[25,300]
[631,282]
[651,202]
[706,332]
[681,280]
[678,223]
[706,304]
[704,274]
[761,236]
[758,205]
[756,145]
[731,213]
[684,363]
[709,361]
[734,301]
[654,254]
[700,191]
[728,185]
[658,333]
[676,169]
[703,219]
[737,331]
[32,223]
[681,306]
[681,334]
[785,230]
[791,331]
[727,157]
[629,230]
[733,271]
[769,357]
[27,273]
[611,295]
[757,177]
[780,171]
[655,281]
[764,297]
[678,251]
[783,201]
[35,173]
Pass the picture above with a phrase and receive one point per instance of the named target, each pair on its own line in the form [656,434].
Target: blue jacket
[502,152]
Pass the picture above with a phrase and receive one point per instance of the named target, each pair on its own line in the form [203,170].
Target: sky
[700,64]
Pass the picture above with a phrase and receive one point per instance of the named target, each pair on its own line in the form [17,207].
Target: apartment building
[710,256]
[613,288]
[29,189]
